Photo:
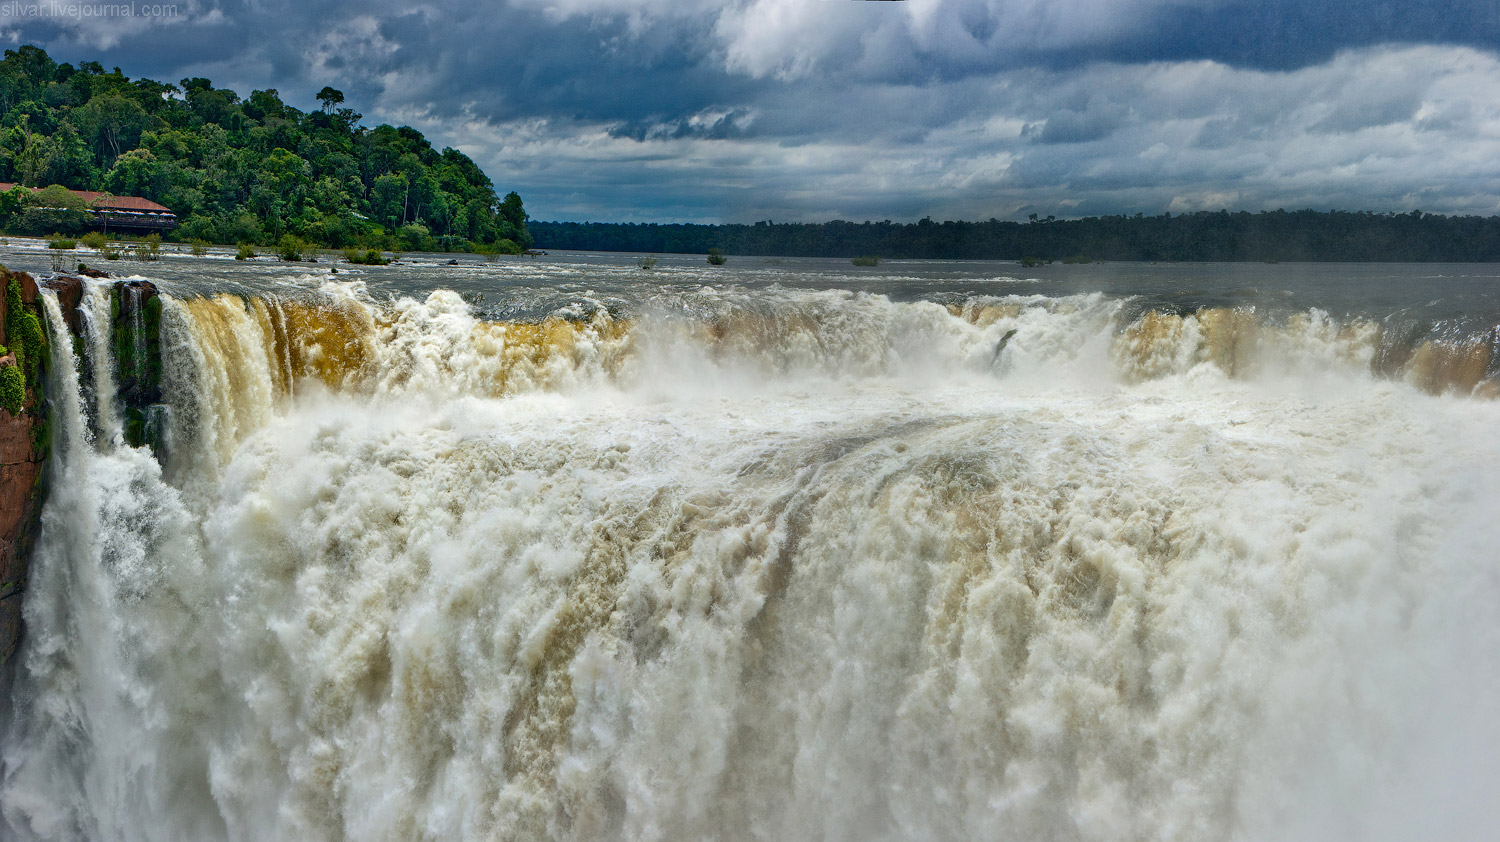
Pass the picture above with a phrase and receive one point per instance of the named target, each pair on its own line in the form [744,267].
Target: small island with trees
[253,172]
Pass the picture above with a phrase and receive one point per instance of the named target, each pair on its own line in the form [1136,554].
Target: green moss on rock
[12,389]
[23,330]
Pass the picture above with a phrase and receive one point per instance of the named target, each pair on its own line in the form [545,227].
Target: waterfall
[802,565]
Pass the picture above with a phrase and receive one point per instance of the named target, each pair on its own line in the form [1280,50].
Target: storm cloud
[818,109]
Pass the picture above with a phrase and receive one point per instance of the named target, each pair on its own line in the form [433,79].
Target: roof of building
[107,201]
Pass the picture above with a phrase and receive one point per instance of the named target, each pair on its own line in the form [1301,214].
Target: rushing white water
[788,565]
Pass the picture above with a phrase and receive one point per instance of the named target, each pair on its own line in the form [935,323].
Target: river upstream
[568,549]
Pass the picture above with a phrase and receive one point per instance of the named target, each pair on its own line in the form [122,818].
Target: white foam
[829,573]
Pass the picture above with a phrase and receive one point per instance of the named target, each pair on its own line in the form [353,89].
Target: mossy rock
[12,389]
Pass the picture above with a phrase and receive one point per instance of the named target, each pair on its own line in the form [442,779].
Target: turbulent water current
[574,550]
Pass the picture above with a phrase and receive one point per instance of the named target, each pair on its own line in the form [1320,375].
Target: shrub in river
[147,248]
[95,240]
[414,236]
[199,247]
[648,262]
[61,243]
[716,257]
[245,252]
[290,248]
[1030,262]
[369,257]
[497,248]
[866,260]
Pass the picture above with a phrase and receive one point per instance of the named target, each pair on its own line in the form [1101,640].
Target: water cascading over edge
[819,567]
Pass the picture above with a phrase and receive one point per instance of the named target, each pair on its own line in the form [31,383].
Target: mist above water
[744,561]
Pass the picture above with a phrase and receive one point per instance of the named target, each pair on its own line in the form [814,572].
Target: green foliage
[12,389]
[41,435]
[369,257]
[290,248]
[866,260]
[134,426]
[330,97]
[246,251]
[136,173]
[61,243]
[1030,262]
[415,237]
[95,240]
[55,209]
[23,332]
[236,170]
[716,256]
[12,202]
[1278,235]
[137,346]
[147,248]
[648,262]
[199,247]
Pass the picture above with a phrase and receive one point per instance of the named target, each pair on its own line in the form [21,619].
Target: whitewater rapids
[787,565]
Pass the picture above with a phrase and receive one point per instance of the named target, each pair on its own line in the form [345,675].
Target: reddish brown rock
[28,286]
[69,293]
[20,504]
[21,467]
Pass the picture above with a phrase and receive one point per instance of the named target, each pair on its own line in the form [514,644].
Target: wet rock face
[21,468]
[23,454]
[136,331]
[69,293]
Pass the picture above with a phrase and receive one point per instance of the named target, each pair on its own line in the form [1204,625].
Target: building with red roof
[121,213]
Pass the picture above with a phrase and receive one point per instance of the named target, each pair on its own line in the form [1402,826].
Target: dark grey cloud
[795,109]
[1288,34]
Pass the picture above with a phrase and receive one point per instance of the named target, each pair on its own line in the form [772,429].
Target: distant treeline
[1279,235]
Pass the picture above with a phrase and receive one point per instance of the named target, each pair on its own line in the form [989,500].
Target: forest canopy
[249,170]
[1279,235]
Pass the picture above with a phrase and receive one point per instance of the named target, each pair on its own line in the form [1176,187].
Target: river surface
[565,548]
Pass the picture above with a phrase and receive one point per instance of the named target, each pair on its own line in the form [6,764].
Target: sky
[809,110]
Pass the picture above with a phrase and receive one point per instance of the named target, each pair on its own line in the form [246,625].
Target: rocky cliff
[134,328]
[23,444]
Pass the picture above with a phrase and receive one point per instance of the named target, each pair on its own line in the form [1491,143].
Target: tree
[136,173]
[388,200]
[514,215]
[330,97]
[112,124]
[12,202]
[237,170]
[55,209]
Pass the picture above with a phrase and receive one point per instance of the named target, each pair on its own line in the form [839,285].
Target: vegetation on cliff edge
[234,170]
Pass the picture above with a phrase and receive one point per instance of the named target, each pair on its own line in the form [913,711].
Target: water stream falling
[776,564]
